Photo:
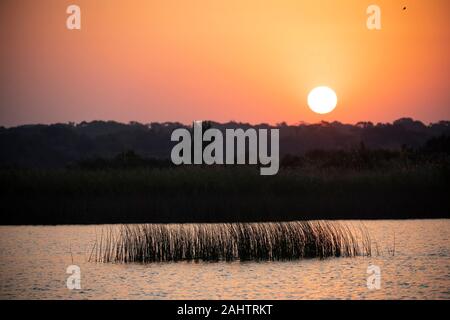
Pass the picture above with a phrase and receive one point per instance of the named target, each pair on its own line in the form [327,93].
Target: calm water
[33,262]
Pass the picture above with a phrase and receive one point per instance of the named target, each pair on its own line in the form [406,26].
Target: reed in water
[230,241]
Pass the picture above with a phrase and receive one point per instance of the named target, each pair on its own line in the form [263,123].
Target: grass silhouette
[230,241]
[221,194]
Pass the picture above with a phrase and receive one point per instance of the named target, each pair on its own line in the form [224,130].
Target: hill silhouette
[60,145]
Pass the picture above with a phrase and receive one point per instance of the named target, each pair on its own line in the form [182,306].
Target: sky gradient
[251,61]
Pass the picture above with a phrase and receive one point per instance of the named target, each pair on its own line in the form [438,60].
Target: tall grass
[221,195]
[230,241]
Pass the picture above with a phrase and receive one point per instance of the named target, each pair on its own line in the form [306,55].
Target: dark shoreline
[214,195]
[206,222]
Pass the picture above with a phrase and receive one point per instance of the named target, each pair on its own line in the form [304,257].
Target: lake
[34,260]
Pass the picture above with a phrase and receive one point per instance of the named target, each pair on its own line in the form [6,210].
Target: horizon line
[278,124]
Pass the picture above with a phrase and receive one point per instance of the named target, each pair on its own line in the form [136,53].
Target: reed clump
[274,241]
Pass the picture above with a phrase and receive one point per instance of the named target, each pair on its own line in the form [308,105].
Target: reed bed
[146,243]
[221,195]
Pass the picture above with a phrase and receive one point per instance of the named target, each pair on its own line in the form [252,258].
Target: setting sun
[322,100]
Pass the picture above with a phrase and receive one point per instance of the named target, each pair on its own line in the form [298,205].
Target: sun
[322,100]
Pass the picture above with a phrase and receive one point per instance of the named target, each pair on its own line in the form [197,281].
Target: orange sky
[252,61]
